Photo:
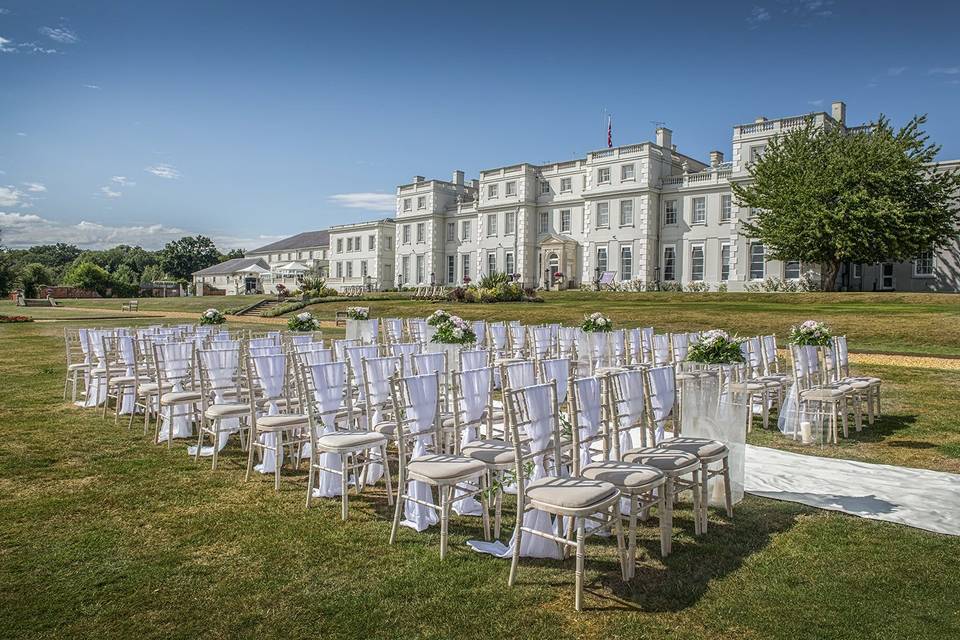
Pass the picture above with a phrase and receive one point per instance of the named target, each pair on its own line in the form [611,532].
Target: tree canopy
[182,257]
[824,195]
[87,275]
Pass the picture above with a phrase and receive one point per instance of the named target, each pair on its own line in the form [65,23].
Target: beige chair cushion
[226,409]
[700,447]
[387,428]
[867,379]
[824,393]
[79,365]
[121,380]
[664,459]
[350,440]
[623,475]
[570,493]
[445,469]
[149,388]
[495,452]
[283,421]
[179,397]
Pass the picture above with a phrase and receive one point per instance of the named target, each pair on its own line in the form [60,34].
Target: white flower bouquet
[716,347]
[811,333]
[303,322]
[212,316]
[358,313]
[454,330]
[438,317]
[597,323]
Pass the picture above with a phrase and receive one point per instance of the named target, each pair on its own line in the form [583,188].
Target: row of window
[319,254]
[344,269]
[698,260]
[421,203]
[698,215]
[354,243]
[628,173]
[626,261]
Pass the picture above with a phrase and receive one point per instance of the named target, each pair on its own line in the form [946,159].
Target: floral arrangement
[438,317]
[358,313]
[466,279]
[716,347]
[597,322]
[558,276]
[303,322]
[454,330]
[212,316]
[281,290]
[811,333]
[4,319]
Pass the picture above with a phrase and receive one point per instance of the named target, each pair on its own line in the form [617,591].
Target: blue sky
[137,122]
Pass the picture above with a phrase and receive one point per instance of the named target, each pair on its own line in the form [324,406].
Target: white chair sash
[558,369]
[329,380]
[498,336]
[473,358]
[521,374]
[422,398]
[631,407]
[661,349]
[663,393]
[480,329]
[176,358]
[271,372]
[588,414]
[424,363]
[474,399]
[220,367]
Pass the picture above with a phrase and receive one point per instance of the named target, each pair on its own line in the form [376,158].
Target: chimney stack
[458,178]
[475,183]
[664,138]
[417,179]
[716,158]
[839,112]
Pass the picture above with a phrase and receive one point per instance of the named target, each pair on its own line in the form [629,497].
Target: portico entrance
[557,262]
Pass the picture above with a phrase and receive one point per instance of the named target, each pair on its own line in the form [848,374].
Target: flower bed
[11,319]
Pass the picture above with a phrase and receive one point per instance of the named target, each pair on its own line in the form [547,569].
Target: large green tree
[31,276]
[87,275]
[828,196]
[182,257]
[7,271]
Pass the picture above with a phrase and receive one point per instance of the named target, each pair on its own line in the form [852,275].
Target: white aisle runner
[915,497]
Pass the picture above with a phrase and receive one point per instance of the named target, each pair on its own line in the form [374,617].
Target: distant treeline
[120,270]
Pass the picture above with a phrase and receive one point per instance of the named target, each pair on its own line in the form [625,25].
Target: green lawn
[103,535]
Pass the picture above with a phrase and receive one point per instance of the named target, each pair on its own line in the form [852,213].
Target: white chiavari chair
[176,371]
[866,387]
[416,402]
[535,431]
[224,405]
[77,362]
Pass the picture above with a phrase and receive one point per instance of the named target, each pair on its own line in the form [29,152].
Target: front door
[250,285]
[886,276]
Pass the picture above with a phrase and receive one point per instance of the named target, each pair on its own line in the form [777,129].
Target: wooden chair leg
[632,537]
[517,538]
[621,548]
[581,534]
[704,496]
[444,492]
[697,518]
[386,475]
[727,489]
[401,500]
[344,498]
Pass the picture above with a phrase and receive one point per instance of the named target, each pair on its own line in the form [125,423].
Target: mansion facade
[647,213]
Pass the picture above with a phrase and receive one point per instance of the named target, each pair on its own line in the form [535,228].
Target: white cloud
[60,34]
[10,196]
[3,11]
[896,71]
[166,171]
[9,46]
[123,181]
[92,86]
[372,201]
[35,187]
[6,46]
[758,15]
[21,134]
[944,71]
[25,230]
[110,193]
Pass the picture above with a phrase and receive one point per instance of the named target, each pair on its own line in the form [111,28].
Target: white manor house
[646,214]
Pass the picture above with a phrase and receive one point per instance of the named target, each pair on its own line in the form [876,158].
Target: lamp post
[596,277]
[656,278]
[367,278]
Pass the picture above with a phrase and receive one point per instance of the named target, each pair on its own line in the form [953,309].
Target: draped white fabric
[355,356]
[498,336]
[542,342]
[680,343]
[300,339]
[635,346]
[805,366]
[588,414]
[480,329]
[630,408]
[220,367]
[540,430]
[340,347]
[521,374]
[91,341]
[329,380]
[661,348]
[129,360]
[518,338]
[405,350]
[568,339]
[475,396]
[663,393]
[176,358]
[428,363]
[646,341]
[418,329]
[317,356]
[598,346]
[271,371]
[770,353]
[473,358]
[422,398]
[394,329]
[377,376]
[558,369]
[618,347]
